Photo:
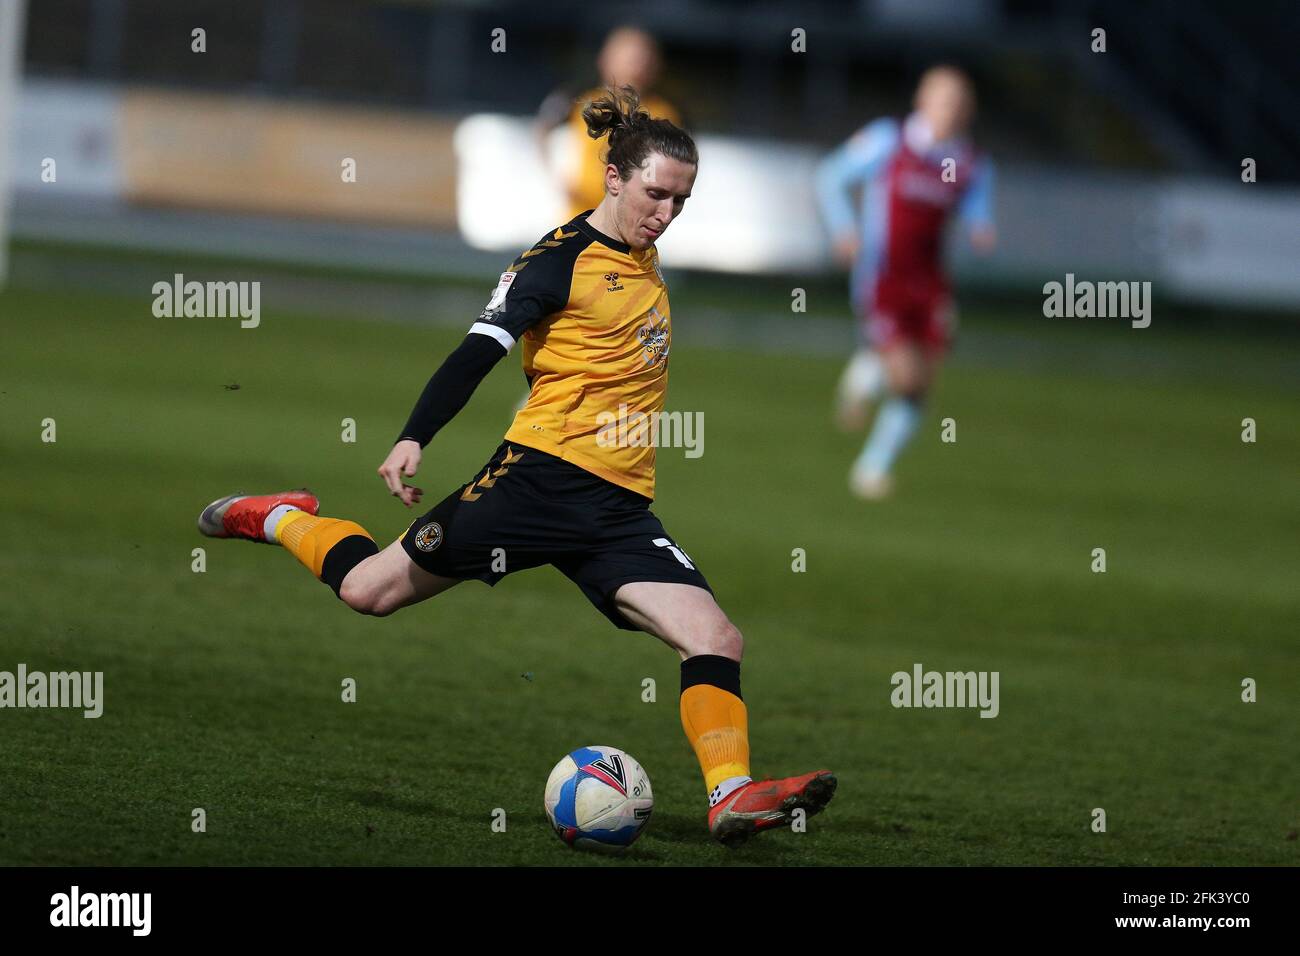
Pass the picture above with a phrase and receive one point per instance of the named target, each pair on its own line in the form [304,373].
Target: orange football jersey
[596,329]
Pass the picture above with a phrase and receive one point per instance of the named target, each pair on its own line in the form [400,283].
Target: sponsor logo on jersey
[654,337]
[926,187]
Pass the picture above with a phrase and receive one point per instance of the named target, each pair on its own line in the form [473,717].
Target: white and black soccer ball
[598,798]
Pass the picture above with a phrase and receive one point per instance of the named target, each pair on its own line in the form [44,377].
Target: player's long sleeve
[451,386]
[977,205]
[519,302]
[849,166]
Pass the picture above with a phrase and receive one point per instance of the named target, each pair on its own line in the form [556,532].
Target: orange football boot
[764,804]
[244,516]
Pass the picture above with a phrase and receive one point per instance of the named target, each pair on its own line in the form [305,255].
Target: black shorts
[527,508]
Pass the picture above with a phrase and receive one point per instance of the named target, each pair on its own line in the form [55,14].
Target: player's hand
[403,460]
[984,238]
[846,249]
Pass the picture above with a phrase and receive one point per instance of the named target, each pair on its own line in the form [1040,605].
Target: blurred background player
[629,57]
[913,174]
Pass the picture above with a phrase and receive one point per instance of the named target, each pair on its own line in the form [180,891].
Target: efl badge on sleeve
[499,293]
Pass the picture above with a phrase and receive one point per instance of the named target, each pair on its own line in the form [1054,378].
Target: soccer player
[914,174]
[589,303]
[628,57]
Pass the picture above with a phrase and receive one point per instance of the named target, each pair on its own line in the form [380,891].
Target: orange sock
[716,722]
[328,547]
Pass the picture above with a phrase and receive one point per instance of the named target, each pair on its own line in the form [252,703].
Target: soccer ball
[598,798]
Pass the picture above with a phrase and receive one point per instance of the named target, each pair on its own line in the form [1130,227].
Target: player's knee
[906,382]
[355,596]
[365,598]
[382,607]
[728,641]
[719,637]
[910,384]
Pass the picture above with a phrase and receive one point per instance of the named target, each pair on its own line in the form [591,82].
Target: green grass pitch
[222,689]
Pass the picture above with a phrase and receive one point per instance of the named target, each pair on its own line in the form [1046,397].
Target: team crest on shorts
[429,537]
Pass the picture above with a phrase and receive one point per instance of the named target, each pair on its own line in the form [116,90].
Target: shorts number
[678,552]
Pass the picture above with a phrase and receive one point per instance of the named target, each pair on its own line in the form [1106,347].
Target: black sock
[345,556]
[721,672]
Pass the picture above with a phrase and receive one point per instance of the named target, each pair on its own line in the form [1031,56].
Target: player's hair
[633,133]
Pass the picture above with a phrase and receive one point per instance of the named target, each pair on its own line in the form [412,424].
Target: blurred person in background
[913,174]
[629,57]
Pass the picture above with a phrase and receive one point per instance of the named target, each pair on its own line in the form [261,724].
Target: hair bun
[633,132]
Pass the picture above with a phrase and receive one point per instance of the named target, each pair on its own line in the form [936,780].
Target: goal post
[12,25]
